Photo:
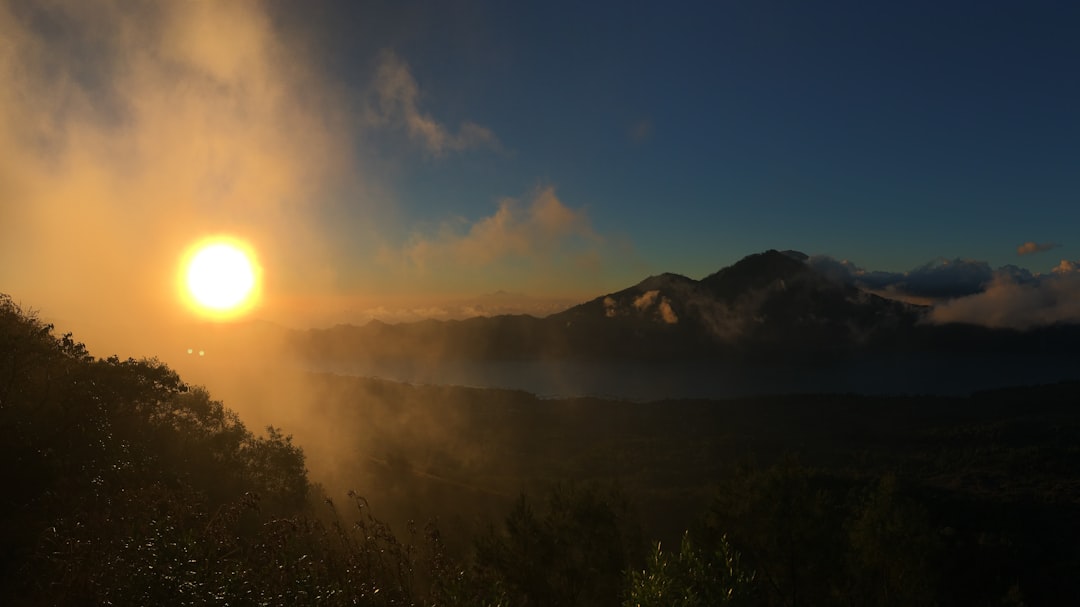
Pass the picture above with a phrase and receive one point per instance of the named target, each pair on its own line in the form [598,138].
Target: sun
[220,278]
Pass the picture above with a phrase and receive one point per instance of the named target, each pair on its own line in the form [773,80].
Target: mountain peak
[754,272]
[666,280]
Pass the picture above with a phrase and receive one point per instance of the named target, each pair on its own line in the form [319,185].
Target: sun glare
[220,278]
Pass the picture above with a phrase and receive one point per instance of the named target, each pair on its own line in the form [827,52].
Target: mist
[129,132]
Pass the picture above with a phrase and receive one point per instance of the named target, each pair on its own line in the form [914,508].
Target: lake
[943,375]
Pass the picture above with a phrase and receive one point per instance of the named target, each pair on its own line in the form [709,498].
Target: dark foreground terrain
[124,485]
[993,479]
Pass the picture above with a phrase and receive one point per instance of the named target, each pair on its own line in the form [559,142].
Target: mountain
[767,304]
[770,304]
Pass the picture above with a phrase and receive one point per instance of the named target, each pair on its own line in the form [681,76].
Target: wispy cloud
[398,104]
[1030,247]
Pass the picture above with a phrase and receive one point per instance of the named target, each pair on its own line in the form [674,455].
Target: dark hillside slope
[122,484]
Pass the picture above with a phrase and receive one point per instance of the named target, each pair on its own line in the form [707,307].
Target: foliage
[783,520]
[116,468]
[573,552]
[893,550]
[692,577]
[814,542]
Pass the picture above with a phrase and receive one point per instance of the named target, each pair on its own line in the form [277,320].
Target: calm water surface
[709,379]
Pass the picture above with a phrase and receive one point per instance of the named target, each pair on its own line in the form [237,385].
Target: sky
[409,159]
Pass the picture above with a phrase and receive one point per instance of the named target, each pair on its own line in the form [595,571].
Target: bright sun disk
[220,277]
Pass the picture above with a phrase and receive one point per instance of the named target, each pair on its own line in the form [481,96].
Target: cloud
[1066,267]
[1008,303]
[666,313]
[522,240]
[938,279]
[398,103]
[512,231]
[969,291]
[646,299]
[1030,247]
[835,269]
[947,278]
[462,309]
[128,132]
[610,307]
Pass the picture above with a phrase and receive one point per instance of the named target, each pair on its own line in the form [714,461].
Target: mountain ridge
[768,308]
[765,304]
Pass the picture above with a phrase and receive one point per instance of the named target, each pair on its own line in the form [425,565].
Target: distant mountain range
[767,307]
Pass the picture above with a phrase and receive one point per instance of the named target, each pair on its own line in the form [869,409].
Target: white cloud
[1006,302]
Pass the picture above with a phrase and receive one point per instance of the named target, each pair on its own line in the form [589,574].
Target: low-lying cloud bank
[1008,303]
[970,291]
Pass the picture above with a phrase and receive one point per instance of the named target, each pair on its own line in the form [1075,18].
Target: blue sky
[887,133]
[378,152]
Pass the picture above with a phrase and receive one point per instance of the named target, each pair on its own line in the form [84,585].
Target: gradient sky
[389,154]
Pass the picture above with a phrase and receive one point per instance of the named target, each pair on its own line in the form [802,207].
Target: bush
[692,578]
